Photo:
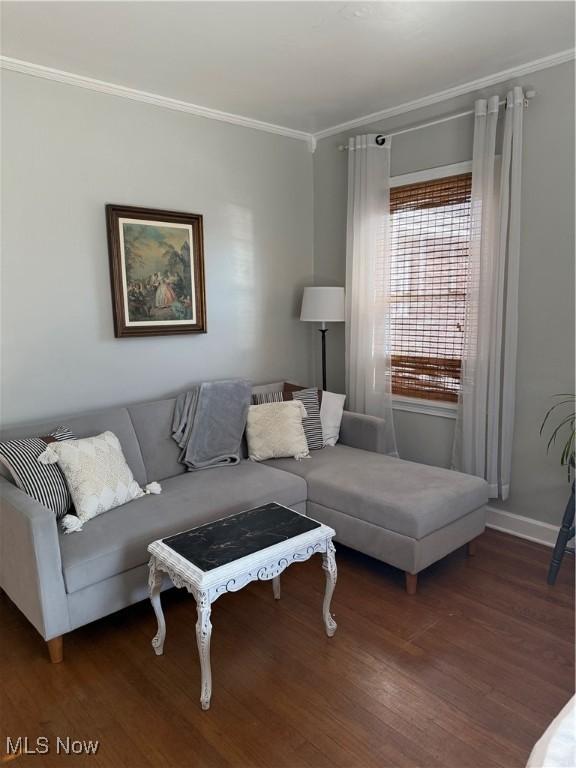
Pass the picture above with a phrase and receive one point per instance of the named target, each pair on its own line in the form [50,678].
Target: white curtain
[484,429]
[368,369]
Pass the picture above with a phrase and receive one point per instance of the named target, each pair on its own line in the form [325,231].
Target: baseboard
[523,527]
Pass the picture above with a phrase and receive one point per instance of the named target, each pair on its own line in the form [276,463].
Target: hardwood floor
[466,673]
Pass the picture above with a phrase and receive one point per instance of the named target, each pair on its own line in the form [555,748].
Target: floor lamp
[323,305]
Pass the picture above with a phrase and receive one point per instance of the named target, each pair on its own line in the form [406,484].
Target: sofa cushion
[402,496]
[318,460]
[153,425]
[116,541]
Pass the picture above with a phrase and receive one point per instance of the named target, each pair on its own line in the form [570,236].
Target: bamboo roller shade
[430,236]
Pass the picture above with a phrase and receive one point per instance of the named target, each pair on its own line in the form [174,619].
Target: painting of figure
[156,260]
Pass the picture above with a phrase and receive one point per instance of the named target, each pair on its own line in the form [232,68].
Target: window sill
[444,409]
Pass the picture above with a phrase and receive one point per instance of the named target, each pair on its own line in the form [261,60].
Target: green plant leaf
[552,409]
[567,421]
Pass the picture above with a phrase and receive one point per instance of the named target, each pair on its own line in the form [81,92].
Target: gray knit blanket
[209,422]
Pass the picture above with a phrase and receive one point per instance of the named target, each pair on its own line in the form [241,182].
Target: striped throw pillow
[311,423]
[43,482]
[262,398]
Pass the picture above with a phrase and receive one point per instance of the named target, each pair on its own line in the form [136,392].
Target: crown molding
[474,85]
[112,89]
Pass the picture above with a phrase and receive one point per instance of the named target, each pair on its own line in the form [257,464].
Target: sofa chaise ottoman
[405,514]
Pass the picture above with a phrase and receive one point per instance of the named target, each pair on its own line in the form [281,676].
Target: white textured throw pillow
[331,410]
[96,472]
[274,431]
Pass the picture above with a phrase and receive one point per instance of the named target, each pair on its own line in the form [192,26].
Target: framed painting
[156,271]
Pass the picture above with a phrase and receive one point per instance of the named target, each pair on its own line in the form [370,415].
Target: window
[430,235]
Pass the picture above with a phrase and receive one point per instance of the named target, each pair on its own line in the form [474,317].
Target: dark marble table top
[214,544]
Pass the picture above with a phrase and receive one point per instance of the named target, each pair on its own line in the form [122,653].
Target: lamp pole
[323,331]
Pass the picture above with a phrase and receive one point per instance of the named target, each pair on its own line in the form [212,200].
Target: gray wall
[68,151]
[546,322]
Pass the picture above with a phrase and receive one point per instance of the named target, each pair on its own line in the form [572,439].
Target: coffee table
[225,555]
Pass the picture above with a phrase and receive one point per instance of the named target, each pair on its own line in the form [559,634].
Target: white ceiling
[302,65]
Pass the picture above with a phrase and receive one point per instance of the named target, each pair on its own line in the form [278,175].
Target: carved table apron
[207,586]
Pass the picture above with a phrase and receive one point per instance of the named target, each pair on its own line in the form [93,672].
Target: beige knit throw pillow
[96,473]
[274,431]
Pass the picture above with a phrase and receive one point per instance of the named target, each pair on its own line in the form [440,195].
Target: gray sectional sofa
[405,514]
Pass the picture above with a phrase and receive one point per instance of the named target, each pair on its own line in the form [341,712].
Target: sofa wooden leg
[471,547]
[411,582]
[56,649]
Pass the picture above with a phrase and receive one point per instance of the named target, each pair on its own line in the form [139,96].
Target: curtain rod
[527,97]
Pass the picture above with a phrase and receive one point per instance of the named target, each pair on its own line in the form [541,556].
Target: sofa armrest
[365,432]
[30,562]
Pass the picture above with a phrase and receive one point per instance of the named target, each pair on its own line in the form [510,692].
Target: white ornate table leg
[329,566]
[203,633]
[155,578]
[276,587]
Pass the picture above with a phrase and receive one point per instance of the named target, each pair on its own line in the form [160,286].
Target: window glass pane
[430,235]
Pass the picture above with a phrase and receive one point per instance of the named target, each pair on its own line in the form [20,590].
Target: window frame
[443,408]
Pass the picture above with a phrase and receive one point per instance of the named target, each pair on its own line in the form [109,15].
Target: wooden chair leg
[471,547]
[411,582]
[56,649]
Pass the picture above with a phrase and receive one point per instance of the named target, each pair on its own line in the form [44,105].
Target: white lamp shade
[323,305]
